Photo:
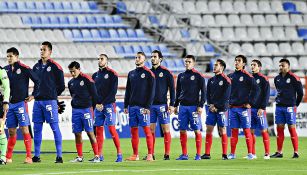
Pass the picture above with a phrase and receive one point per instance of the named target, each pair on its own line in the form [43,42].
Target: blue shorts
[137,117]
[258,122]
[159,112]
[17,115]
[82,119]
[45,110]
[285,115]
[240,118]
[106,116]
[219,118]
[188,115]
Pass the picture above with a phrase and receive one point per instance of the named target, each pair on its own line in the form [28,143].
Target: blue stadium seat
[84,5]
[49,6]
[146,50]
[76,6]
[180,64]
[58,7]
[119,50]
[154,47]
[131,33]
[136,48]
[36,20]
[21,6]
[121,8]
[289,7]
[30,6]
[100,20]
[165,50]
[185,34]
[67,6]
[27,20]
[93,5]
[122,34]
[209,48]
[73,20]
[141,35]
[82,20]
[68,34]
[63,20]
[114,35]
[96,35]
[163,63]
[171,64]
[45,21]
[77,34]
[3,6]
[117,19]
[104,34]
[128,51]
[39,6]
[302,33]
[154,20]
[12,6]
[148,64]
[54,20]
[86,34]
[108,19]
[91,20]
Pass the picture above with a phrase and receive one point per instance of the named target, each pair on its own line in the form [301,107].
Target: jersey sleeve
[5,85]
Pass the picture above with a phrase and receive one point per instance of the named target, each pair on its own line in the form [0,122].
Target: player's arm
[114,86]
[6,89]
[60,83]
[266,94]
[34,77]
[299,91]
[178,91]
[151,90]
[127,94]
[226,95]
[202,85]
[93,91]
[171,87]
[254,92]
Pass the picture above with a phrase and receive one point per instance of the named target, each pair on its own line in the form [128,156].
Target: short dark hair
[191,56]
[243,58]
[104,55]
[258,62]
[158,52]
[141,53]
[222,63]
[48,44]
[74,64]
[13,50]
[285,60]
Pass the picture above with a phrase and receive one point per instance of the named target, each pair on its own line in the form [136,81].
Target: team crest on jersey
[192,77]
[143,75]
[161,74]
[106,76]
[258,81]
[288,80]
[18,71]
[221,83]
[49,69]
[241,79]
[81,83]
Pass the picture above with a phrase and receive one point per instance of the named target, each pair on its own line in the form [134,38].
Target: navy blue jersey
[218,91]
[83,91]
[164,82]
[289,90]
[244,89]
[51,80]
[19,75]
[140,88]
[190,89]
[264,91]
[106,82]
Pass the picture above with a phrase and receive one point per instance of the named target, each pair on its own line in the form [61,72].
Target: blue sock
[38,128]
[57,138]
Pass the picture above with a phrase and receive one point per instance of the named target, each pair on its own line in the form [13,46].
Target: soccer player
[45,105]
[289,96]
[218,93]
[140,91]
[160,110]
[244,92]
[191,95]
[258,113]
[83,92]
[19,75]
[106,82]
[4,107]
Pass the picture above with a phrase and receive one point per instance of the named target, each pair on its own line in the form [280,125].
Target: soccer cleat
[224,157]
[231,156]
[119,158]
[28,160]
[9,160]
[250,156]
[295,156]
[58,160]
[149,157]
[277,155]
[77,159]
[2,162]
[197,157]
[206,156]
[183,157]
[101,158]
[266,157]
[36,159]
[96,159]
[153,156]
[133,158]
[166,157]
[246,157]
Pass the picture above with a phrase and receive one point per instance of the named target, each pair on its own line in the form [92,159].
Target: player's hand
[260,112]
[126,111]
[146,111]
[5,108]
[99,107]
[1,126]
[30,98]
[171,109]
[61,106]
[212,108]
[247,105]
[176,110]
[199,110]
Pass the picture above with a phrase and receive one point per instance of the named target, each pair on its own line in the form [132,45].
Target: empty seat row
[182,34]
[254,34]
[129,51]
[134,7]
[200,49]
[102,35]
[48,7]
[160,21]
[73,21]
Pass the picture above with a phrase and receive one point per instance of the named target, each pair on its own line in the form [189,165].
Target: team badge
[192,77]
[258,81]
[161,74]
[18,71]
[241,79]
[106,76]
[143,75]
[221,83]
[81,83]
[288,80]
[49,69]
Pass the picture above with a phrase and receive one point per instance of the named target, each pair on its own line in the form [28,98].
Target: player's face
[218,68]
[102,61]
[239,63]
[11,58]
[155,60]
[189,63]
[45,51]
[139,59]
[283,67]
[74,72]
[255,67]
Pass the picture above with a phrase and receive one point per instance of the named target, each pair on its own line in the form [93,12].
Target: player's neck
[284,73]
[156,66]
[45,60]
[218,73]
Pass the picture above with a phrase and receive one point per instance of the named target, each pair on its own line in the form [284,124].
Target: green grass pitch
[240,166]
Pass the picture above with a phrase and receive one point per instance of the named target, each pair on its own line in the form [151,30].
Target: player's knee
[12,132]
[222,130]
[165,128]
[183,131]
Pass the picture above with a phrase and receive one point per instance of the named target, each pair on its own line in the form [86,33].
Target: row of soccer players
[246,96]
